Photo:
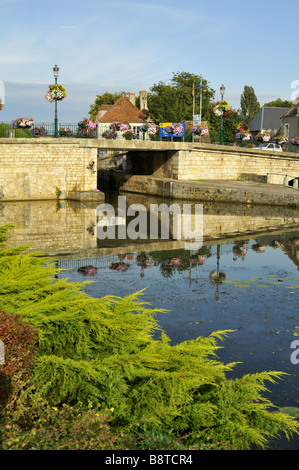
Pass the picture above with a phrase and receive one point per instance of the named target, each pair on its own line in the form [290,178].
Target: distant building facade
[267,120]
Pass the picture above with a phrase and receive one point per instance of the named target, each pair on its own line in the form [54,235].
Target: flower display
[169,129]
[152,130]
[22,123]
[88,124]
[295,141]
[144,114]
[178,129]
[199,130]
[1,105]
[39,130]
[87,127]
[124,126]
[280,139]
[144,127]
[65,132]
[129,135]
[242,134]
[55,93]
[221,108]
[115,126]
[109,134]
[263,137]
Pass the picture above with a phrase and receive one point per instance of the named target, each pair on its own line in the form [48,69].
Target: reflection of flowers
[119,266]
[88,270]
[294,242]
[259,248]
[198,261]
[217,277]
[239,251]
[174,262]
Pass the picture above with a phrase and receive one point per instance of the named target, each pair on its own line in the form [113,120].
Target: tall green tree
[249,103]
[173,101]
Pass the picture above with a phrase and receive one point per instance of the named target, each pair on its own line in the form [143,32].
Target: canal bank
[239,192]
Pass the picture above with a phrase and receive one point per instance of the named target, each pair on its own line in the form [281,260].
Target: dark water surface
[256,294]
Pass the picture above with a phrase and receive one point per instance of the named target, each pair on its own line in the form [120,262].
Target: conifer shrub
[101,354]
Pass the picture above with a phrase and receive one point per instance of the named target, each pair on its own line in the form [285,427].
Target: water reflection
[243,278]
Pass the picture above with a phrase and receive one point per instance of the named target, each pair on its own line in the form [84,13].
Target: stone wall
[39,168]
[228,163]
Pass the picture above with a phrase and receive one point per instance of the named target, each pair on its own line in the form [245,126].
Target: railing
[64,130]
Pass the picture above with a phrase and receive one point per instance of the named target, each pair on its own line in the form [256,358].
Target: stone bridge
[45,167]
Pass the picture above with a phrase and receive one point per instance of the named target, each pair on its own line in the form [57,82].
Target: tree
[249,103]
[173,102]
[279,104]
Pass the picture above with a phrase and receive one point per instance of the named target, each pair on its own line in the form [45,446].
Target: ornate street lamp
[222,91]
[56,70]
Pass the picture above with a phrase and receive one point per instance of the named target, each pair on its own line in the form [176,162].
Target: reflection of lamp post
[222,91]
[217,277]
[56,70]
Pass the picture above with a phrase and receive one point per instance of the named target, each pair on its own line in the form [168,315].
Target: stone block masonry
[45,168]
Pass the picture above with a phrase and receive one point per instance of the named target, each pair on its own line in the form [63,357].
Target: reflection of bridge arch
[97,262]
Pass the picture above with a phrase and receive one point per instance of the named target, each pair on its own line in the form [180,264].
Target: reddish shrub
[18,338]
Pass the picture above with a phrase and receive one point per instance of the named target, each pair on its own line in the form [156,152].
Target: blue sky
[129,46]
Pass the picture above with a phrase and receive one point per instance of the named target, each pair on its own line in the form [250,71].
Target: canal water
[244,277]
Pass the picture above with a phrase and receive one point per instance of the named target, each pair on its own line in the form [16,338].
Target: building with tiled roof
[290,122]
[123,110]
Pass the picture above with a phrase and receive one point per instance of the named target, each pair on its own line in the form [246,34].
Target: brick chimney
[143,99]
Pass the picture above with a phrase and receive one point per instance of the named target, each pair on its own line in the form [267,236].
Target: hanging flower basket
[22,123]
[144,114]
[295,141]
[262,137]
[1,106]
[221,108]
[39,130]
[280,139]
[55,93]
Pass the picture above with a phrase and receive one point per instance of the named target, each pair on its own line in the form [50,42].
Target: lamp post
[56,70]
[222,91]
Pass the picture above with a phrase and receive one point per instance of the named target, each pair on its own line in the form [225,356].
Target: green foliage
[105,98]
[249,103]
[173,102]
[279,103]
[93,353]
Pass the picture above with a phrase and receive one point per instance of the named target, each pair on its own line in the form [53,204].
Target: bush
[95,353]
